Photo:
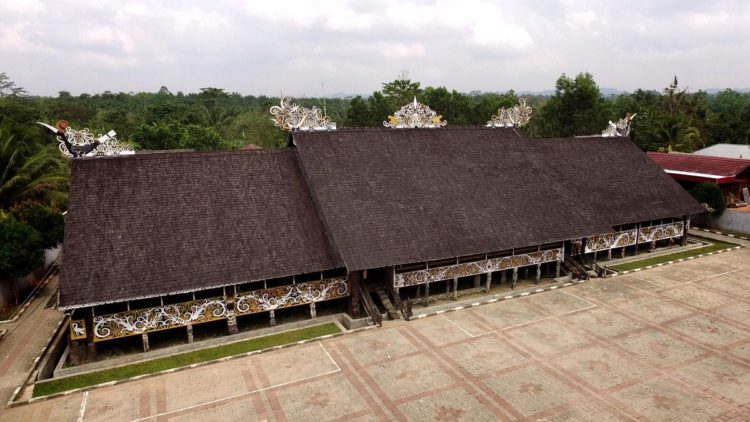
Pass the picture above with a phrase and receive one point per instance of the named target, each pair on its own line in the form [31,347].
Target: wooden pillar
[190,333]
[353,279]
[609,254]
[313,313]
[231,319]
[653,245]
[502,277]
[144,339]
[557,268]
[447,286]
[622,252]
[455,288]
[685,226]
[515,277]
[272,317]
[489,282]
[426,293]
[477,281]
[90,345]
[538,272]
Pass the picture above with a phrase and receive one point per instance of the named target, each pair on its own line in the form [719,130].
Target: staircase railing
[398,303]
[370,308]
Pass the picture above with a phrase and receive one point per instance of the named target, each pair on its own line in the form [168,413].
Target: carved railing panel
[660,232]
[613,240]
[129,323]
[294,295]
[123,324]
[412,278]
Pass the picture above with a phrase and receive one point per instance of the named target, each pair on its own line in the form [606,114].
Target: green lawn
[716,246]
[55,386]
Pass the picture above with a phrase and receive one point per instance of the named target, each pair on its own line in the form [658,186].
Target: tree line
[34,176]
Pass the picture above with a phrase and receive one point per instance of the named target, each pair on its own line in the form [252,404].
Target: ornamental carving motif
[415,115]
[81,143]
[288,296]
[603,242]
[290,117]
[621,128]
[130,323]
[660,232]
[412,278]
[77,329]
[516,116]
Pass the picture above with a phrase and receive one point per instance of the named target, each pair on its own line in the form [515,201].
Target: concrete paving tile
[452,405]
[408,376]
[601,367]
[532,390]
[322,399]
[654,309]
[377,345]
[559,302]
[664,400]
[709,331]
[547,337]
[603,322]
[660,349]
[485,354]
[721,376]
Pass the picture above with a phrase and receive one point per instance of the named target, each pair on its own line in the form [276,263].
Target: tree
[711,194]
[9,88]
[47,221]
[200,138]
[401,91]
[20,248]
[29,171]
[577,108]
[359,113]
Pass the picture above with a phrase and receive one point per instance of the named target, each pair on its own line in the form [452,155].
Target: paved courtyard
[667,344]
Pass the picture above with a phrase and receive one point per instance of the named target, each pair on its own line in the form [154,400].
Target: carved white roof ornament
[81,143]
[621,128]
[516,116]
[290,117]
[415,115]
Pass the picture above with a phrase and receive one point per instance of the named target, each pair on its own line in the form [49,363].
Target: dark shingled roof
[153,224]
[398,196]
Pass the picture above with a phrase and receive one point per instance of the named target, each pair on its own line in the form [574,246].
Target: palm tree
[29,171]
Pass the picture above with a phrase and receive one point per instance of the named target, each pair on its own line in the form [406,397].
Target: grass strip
[45,388]
[716,246]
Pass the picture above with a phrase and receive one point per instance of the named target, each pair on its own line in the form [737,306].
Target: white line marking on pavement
[329,356]
[83,406]
[580,298]
[458,326]
[228,398]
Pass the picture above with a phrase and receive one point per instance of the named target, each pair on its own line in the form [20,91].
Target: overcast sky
[268,47]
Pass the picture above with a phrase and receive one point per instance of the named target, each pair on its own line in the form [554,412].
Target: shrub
[711,194]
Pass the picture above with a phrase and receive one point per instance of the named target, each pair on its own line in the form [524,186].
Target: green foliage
[711,194]
[577,108]
[30,171]
[20,248]
[85,380]
[160,136]
[47,221]
[401,91]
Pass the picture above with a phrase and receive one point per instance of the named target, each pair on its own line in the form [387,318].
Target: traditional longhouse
[170,240]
